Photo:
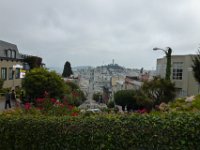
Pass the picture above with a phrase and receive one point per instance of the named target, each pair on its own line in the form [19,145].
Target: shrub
[133,99]
[125,98]
[73,94]
[39,80]
[159,90]
[111,104]
[97,97]
[113,132]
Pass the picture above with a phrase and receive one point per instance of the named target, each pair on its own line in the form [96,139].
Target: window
[8,53]
[10,73]
[177,70]
[13,53]
[17,73]
[4,73]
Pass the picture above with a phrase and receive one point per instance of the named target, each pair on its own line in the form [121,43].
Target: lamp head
[155,48]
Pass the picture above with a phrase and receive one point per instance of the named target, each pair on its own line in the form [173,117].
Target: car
[96,110]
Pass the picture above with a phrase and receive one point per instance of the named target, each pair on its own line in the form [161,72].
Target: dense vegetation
[33,61]
[151,94]
[113,132]
[39,80]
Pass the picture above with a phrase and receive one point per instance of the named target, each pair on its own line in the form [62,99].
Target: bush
[73,94]
[159,90]
[125,98]
[113,132]
[97,97]
[3,91]
[133,99]
[111,104]
[39,80]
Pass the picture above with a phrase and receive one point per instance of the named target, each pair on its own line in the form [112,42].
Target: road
[91,88]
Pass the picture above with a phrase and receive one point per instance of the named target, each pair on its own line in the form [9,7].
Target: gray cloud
[93,32]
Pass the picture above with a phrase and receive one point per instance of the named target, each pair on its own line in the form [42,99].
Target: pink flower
[40,108]
[27,106]
[142,111]
[39,100]
[74,114]
[70,107]
[53,100]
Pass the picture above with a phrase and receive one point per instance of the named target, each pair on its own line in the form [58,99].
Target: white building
[181,74]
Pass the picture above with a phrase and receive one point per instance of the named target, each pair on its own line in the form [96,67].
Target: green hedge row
[111,132]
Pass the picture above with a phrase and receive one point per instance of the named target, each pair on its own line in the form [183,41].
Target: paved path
[2,105]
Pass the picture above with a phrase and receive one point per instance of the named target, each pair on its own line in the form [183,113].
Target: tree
[125,98]
[67,71]
[133,99]
[97,97]
[159,90]
[168,68]
[39,80]
[196,67]
[33,61]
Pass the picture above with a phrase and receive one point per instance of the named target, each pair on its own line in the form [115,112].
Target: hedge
[110,132]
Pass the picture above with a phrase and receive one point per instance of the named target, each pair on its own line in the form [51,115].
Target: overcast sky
[93,32]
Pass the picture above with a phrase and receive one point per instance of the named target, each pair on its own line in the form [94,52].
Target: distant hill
[112,66]
[81,67]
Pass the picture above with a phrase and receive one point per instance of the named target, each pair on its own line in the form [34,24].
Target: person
[7,102]
[13,98]
[22,97]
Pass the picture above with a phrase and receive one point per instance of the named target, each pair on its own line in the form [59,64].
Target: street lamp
[168,52]
[13,75]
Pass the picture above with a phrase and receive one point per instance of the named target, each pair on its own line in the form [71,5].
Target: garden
[49,118]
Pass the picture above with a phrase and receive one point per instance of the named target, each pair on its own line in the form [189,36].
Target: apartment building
[11,65]
[181,74]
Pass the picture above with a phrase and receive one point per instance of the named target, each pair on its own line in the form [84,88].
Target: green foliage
[97,97]
[142,100]
[67,71]
[73,94]
[111,104]
[178,131]
[168,68]
[132,99]
[39,80]
[182,105]
[196,66]
[125,98]
[3,91]
[159,90]
[33,61]
[72,85]
[1,83]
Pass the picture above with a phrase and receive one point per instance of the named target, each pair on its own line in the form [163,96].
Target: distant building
[181,74]
[132,83]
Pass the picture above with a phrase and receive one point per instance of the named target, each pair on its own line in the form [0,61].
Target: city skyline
[93,32]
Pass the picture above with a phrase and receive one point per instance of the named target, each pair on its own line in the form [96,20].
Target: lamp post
[168,52]
[13,75]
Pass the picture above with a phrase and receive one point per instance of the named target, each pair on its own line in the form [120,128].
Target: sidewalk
[2,104]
